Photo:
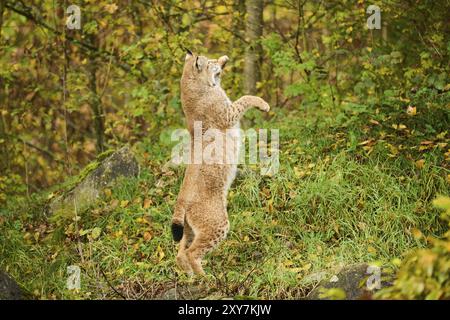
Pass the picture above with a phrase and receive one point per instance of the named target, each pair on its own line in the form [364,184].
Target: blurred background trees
[67,95]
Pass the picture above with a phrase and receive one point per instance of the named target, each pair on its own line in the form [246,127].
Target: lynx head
[203,71]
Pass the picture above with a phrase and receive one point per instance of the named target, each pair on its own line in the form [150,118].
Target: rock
[313,278]
[121,163]
[191,292]
[9,289]
[351,283]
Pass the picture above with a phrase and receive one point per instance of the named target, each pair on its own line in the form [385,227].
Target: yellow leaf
[371,249]
[420,163]
[147,236]
[107,192]
[442,203]
[111,8]
[441,135]
[333,294]
[160,252]
[299,173]
[396,262]
[365,142]
[416,233]
[288,263]
[270,205]
[124,203]
[307,266]
[412,111]
[147,203]
[95,233]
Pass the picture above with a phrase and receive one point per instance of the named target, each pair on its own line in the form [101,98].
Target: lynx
[200,218]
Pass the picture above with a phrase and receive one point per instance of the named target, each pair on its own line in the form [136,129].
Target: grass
[336,201]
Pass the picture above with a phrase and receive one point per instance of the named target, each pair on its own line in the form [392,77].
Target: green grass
[331,204]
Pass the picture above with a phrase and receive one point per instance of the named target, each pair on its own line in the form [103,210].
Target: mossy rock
[9,289]
[355,282]
[92,180]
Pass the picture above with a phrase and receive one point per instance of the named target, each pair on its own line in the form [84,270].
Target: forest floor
[352,187]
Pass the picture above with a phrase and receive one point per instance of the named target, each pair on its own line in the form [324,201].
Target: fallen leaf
[96,233]
[107,192]
[147,236]
[417,234]
[111,8]
[371,249]
[420,163]
[412,111]
[114,203]
[147,203]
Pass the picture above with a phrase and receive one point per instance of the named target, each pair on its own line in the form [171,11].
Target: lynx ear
[200,63]
[223,61]
[189,54]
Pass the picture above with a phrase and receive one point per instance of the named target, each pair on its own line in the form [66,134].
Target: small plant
[425,274]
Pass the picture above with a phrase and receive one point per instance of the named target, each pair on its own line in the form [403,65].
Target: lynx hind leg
[186,241]
[256,102]
[205,240]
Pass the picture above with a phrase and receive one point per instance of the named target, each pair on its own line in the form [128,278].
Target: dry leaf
[147,236]
[147,203]
[420,163]
[111,8]
[412,111]
[107,192]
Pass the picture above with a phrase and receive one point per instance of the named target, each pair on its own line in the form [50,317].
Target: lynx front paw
[265,107]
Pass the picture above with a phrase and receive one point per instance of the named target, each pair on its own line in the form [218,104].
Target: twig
[110,285]
[84,45]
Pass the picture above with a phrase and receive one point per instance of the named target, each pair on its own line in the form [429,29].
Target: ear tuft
[223,61]
[189,54]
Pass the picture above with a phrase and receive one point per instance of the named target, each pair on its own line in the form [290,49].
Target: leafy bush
[425,273]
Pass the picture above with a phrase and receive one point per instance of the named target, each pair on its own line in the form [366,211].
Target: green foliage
[363,114]
[425,273]
[328,206]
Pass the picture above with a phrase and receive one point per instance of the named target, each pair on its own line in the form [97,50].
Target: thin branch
[26,12]
[111,286]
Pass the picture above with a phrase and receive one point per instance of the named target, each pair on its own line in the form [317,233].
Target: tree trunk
[237,45]
[97,108]
[254,29]
[2,8]
[2,98]
[95,102]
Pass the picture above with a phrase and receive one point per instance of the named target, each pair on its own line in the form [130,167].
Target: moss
[72,182]
[105,154]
